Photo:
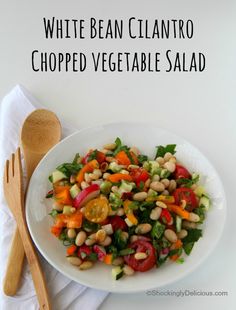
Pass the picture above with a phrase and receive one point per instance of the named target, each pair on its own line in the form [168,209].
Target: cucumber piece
[205,202]
[67,210]
[178,223]
[74,191]
[200,191]
[117,273]
[58,176]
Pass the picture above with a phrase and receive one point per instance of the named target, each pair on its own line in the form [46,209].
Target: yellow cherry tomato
[96,210]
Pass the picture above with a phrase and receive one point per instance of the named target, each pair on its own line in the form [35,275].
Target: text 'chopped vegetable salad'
[124,209]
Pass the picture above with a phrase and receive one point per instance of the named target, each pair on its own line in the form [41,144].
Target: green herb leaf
[69,168]
[157,230]
[180,260]
[200,211]
[188,247]
[92,155]
[50,178]
[193,236]
[142,158]
[119,241]
[162,150]
[92,256]
[90,227]
[75,160]
[188,182]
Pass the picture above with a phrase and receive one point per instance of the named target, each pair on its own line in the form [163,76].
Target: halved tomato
[142,264]
[187,194]
[96,210]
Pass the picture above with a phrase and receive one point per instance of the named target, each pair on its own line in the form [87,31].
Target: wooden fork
[14,194]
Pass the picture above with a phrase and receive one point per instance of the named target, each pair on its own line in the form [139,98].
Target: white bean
[156,177]
[108,229]
[140,196]
[80,238]
[169,166]
[109,146]
[84,185]
[172,186]
[161,204]
[140,255]
[165,193]
[168,156]
[76,261]
[91,239]
[87,177]
[193,217]
[86,265]
[133,238]
[160,160]
[143,228]
[189,225]
[106,175]
[71,233]
[128,270]
[170,235]
[182,234]
[166,182]
[155,213]
[118,261]
[106,242]
[157,186]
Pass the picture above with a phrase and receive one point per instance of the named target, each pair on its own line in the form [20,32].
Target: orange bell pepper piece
[71,250]
[89,167]
[63,196]
[123,158]
[56,231]
[175,246]
[108,259]
[179,211]
[166,199]
[75,220]
[117,177]
[129,213]
[61,220]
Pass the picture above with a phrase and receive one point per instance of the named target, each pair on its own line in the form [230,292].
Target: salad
[119,207]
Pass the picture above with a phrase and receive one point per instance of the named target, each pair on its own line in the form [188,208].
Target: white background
[198,106]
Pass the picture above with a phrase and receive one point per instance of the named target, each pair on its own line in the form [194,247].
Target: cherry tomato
[118,223]
[96,210]
[187,194]
[84,250]
[142,264]
[181,172]
[166,216]
[139,175]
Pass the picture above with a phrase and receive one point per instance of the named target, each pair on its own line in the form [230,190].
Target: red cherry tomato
[84,251]
[139,175]
[118,223]
[187,194]
[166,216]
[181,172]
[142,264]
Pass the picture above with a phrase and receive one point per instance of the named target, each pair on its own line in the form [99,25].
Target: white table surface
[199,106]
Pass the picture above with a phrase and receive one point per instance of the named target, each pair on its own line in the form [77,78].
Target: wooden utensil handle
[35,268]
[14,265]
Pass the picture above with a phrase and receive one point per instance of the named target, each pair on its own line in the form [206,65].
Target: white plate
[145,137]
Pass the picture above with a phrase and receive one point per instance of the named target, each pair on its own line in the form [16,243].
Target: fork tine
[18,165]
[6,171]
[12,163]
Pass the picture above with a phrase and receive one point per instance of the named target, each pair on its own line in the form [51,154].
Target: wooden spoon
[40,132]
